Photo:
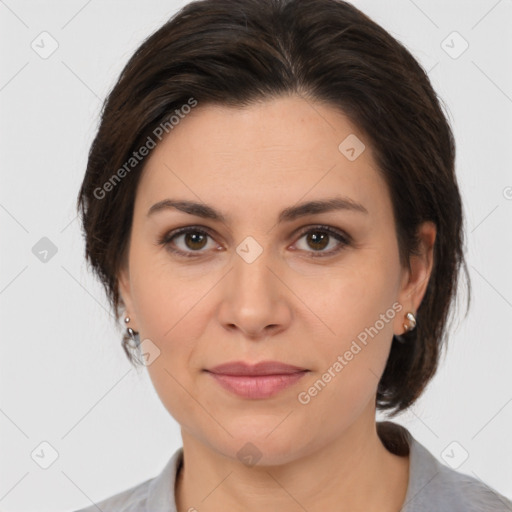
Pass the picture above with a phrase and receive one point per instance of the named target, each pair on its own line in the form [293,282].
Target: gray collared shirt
[433,487]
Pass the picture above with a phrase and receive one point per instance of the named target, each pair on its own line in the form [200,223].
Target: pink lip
[262,380]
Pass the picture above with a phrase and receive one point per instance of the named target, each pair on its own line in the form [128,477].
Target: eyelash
[343,238]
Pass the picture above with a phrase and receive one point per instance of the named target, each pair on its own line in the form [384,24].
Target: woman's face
[322,291]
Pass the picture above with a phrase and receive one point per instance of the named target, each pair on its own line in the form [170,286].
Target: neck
[367,477]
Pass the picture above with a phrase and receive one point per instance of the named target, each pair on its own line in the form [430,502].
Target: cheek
[355,297]
[351,362]
[170,313]
[359,309]
[165,295]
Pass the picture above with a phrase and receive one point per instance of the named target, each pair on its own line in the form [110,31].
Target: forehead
[279,151]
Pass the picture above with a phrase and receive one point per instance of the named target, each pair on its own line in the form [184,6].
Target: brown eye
[318,240]
[321,237]
[186,241]
[194,240]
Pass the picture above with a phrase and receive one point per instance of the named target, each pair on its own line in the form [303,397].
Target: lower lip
[257,386]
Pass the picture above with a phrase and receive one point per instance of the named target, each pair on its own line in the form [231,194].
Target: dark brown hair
[236,52]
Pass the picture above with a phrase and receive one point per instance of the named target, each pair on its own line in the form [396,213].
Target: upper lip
[261,368]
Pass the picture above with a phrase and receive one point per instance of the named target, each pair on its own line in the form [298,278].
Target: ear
[125,293]
[415,278]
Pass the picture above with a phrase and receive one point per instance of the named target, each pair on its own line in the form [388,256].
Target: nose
[254,298]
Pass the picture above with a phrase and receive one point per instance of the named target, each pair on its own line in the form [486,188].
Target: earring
[412,322]
[134,335]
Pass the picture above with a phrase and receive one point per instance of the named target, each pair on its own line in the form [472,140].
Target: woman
[271,205]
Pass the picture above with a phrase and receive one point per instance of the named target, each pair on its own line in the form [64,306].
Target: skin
[287,305]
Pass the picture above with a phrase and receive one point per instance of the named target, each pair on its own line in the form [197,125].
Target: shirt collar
[161,497]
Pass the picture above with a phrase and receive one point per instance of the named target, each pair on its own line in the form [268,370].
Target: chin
[268,446]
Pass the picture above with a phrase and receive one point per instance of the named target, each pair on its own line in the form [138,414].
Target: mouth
[242,368]
[259,381]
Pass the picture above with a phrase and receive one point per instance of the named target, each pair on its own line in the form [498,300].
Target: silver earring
[134,335]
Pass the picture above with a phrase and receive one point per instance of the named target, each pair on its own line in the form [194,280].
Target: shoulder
[433,486]
[153,495]
[438,487]
[468,493]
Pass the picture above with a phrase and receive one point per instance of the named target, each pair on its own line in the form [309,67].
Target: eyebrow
[287,215]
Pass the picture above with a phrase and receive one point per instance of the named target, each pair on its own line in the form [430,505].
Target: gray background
[64,377]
